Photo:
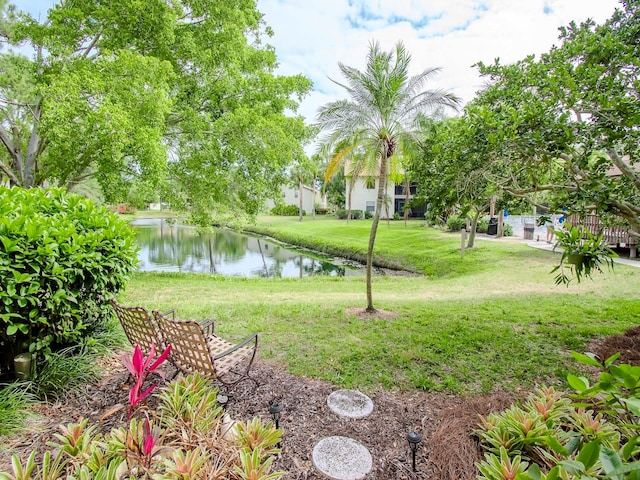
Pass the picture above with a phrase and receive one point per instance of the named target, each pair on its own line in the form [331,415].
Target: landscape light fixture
[414,439]
[275,410]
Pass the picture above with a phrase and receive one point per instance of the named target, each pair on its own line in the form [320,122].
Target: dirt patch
[444,421]
[363,314]
[628,344]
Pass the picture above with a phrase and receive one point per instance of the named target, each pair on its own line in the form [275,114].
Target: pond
[174,247]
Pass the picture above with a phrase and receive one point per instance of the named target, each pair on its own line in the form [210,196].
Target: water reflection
[179,248]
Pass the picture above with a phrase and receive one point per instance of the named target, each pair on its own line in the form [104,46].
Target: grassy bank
[492,320]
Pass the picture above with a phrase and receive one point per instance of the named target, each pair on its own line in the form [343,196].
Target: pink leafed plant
[140,368]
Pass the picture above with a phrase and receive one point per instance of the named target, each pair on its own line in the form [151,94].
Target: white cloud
[311,37]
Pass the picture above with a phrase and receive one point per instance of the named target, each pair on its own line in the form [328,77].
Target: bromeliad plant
[186,443]
[548,437]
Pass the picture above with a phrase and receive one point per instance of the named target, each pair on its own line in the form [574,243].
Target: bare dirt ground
[446,422]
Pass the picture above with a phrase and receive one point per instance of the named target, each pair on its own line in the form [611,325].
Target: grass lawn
[491,320]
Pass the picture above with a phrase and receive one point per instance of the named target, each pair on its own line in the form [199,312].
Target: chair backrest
[189,350]
[139,326]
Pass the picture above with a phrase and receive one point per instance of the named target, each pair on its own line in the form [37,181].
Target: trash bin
[529,228]
[492,229]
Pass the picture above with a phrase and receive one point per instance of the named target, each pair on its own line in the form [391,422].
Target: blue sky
[312,36]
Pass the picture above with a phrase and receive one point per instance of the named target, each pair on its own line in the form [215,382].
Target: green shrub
[508,230]
[396,216]
[341,214]
[483,226]
[368,214]
[455,223]
[356,214]
[286,210]
[551,437]
[61,256]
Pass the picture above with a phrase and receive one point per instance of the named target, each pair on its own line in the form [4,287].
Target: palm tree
[384,111]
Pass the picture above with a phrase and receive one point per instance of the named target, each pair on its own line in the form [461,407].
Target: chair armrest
[171,313]
[253,337]
[208,326]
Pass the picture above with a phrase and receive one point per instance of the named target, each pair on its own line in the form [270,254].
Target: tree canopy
[567,123]
[179,95]
[561,128]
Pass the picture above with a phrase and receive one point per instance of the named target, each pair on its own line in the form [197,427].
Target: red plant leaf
[160,359]
[138,361]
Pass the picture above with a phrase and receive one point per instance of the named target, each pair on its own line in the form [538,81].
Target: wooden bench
[193,349]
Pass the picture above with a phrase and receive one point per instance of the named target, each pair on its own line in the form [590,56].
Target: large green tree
[568,122]
[383,113]
[180,94]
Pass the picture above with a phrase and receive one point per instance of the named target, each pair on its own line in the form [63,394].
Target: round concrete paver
[350,403]
[342,458]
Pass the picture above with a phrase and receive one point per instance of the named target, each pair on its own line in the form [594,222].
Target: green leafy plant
[14,402]
[253,435]
[583,253]
[64,370]
[190,408]
[455,223]
[152,449]
[61,255]
[595,436]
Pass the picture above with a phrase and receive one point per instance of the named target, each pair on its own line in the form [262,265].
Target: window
[295,194]
[371,206]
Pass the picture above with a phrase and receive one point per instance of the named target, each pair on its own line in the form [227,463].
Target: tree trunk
[406,199]
[313,209]
[382,188]
[300,195]
[349,202]
[474,226]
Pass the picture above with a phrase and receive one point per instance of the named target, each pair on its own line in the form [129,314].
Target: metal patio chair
[141,328]
[194,349]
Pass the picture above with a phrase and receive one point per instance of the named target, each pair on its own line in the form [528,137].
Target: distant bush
[455,223]
[368,214]
[508,230]
[286,210]
[341,214]
[396,216]
[483,226]
[61,257]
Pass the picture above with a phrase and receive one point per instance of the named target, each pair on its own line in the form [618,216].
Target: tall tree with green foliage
[180,94]
[568,122]
[383,112]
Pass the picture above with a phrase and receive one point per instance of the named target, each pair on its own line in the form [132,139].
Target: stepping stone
[350,403]
[342,458]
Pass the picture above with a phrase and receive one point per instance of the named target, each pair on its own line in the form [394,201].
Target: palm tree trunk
[313,209]
[406,198]
[300,195]
[349,202]
[382,188]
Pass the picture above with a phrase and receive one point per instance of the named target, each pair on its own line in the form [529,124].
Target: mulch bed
[448,450]
[444,421]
